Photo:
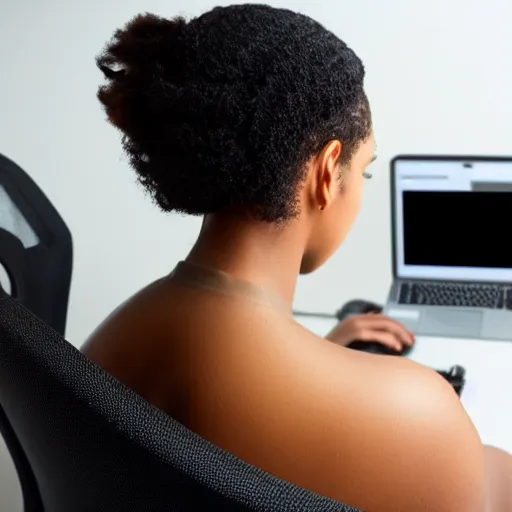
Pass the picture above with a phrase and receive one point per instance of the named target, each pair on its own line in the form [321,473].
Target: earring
[322,208]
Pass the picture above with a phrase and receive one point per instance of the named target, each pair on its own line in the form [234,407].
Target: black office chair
[83,442]
[35,247]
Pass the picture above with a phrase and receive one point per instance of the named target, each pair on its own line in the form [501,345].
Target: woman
[256,119]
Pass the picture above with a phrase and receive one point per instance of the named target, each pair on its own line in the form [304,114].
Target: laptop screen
[451,219]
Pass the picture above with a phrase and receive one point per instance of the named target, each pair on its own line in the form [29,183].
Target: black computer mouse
[357,307]
[373,347]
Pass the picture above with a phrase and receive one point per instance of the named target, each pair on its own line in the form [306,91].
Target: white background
[439,80]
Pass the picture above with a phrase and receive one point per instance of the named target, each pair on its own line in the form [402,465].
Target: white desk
[487,395]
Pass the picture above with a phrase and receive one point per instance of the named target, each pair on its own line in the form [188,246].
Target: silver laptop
[452,250]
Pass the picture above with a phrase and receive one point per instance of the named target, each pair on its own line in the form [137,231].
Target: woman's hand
[372,328]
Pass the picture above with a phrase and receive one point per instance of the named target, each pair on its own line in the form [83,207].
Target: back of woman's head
[222,113]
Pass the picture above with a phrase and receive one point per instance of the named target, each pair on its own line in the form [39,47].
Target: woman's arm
[497,463]
[426,452]
[454,471]
[498,480]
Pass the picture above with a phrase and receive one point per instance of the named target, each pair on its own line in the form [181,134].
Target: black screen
[457,229]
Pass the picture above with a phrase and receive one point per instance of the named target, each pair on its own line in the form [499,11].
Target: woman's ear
[327,173]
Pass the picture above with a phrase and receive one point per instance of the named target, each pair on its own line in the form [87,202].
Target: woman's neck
[257,252]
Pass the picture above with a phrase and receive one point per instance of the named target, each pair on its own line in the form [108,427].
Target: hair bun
[148,50]
[146,45]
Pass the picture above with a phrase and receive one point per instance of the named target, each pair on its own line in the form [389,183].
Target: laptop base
[450,322]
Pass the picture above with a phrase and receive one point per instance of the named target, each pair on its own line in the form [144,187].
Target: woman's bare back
[244,375]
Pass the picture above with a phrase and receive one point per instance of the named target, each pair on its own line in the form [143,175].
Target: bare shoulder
[402,438]
[376,432]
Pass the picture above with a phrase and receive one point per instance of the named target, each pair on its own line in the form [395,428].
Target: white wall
[439,79]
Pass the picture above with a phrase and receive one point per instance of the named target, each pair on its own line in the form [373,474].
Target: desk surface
[487,395]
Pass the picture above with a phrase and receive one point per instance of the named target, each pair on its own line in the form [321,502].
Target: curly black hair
[222,112]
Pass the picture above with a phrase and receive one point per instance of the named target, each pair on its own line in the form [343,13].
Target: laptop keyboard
[457,294]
